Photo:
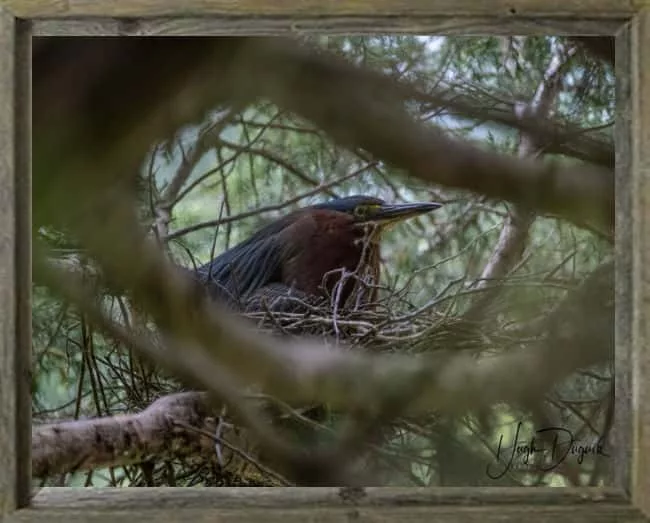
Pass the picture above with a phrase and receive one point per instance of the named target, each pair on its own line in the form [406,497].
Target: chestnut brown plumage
[305,253]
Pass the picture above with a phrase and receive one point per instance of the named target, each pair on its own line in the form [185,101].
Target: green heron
[298,254]
[297,259]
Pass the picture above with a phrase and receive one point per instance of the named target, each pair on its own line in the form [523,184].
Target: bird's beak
[388,213]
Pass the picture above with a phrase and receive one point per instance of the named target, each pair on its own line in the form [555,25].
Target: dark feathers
[235,276]
[238,273]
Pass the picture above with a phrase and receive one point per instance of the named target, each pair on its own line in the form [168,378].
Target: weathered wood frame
[628,500]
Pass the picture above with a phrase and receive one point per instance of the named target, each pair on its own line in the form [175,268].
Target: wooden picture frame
[629,20]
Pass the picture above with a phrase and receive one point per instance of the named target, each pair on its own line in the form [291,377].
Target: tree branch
[304,372]
[514,233]
[358,108]
[126,439]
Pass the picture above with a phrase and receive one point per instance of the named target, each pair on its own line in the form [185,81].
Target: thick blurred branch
[302,372]
[118,97]
[358,108]
[577,334]
[555,137]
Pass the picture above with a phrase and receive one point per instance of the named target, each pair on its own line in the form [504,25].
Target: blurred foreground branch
[119,97]
[356,107]
[301,372]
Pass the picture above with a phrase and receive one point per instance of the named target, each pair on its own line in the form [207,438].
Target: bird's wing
[245,268]
[258,261]
[242,270]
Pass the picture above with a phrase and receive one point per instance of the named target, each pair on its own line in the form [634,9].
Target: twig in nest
[221,441]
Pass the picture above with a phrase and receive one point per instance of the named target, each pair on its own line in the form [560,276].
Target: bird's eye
[360,211]
[363,211]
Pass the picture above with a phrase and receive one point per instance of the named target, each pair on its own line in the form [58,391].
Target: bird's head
[367,210]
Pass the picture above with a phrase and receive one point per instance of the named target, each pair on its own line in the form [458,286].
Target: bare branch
[555,136]
[121,440]
[514,234]
[269,208]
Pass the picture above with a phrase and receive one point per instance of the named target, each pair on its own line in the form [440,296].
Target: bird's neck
[369,233]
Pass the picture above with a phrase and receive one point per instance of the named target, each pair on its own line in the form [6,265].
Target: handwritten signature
[522,451]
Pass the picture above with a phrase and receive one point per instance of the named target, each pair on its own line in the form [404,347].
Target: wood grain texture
[23,257]
[287,25]
[8,402]
[362,16]
[640,361]
[270,497]
[326,505]
[15,272]
[622,427]
[580,514]
[504,8]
